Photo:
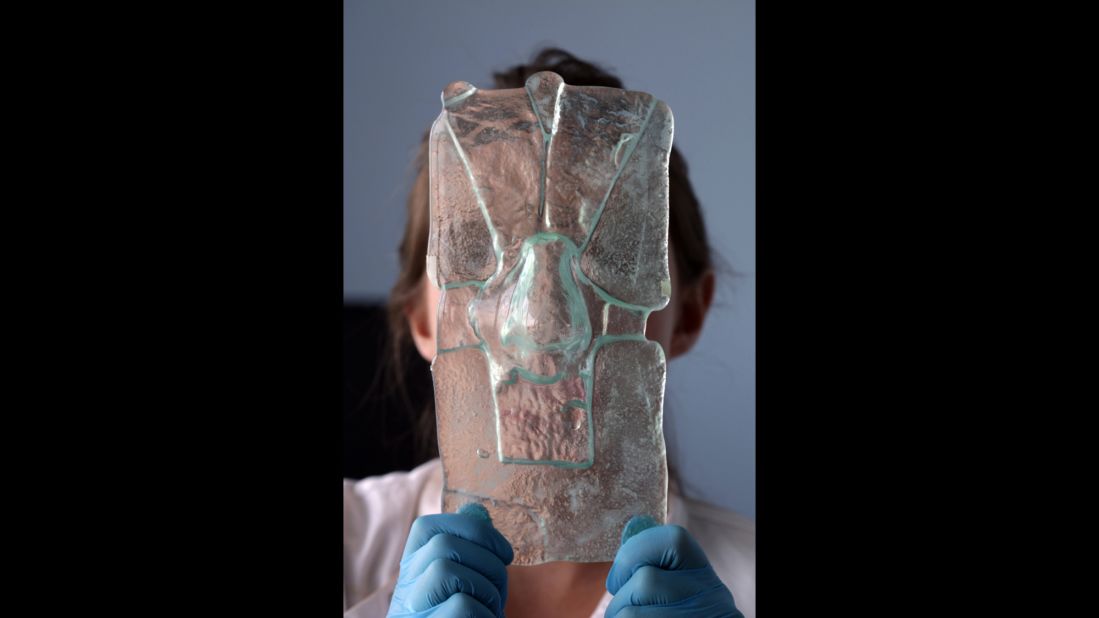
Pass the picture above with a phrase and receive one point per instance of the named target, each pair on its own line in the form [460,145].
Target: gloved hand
[661,571]
[454,565]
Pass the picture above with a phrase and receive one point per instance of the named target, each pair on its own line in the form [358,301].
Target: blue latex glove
[454,565]
[661,571]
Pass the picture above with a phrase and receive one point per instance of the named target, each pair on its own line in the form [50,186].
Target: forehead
[587,164]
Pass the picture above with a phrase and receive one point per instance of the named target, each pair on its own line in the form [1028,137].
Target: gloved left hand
[662,571]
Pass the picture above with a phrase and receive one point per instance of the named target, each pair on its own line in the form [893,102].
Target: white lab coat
[378,513]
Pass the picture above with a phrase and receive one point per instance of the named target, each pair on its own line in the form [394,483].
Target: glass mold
[549,243]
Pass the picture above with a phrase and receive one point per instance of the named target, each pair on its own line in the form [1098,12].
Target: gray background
[696,55]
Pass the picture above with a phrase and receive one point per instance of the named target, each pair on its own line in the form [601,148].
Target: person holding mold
[459,563]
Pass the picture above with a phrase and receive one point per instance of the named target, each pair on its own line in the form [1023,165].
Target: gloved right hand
[454,565]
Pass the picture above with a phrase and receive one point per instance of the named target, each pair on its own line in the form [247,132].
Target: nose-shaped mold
[546,311]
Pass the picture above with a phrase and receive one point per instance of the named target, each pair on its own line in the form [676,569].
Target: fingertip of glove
[472,509]
[637,523]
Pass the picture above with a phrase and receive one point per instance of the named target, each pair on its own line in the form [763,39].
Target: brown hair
[686,229]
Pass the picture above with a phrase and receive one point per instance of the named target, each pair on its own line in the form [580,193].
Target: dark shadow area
[379,419]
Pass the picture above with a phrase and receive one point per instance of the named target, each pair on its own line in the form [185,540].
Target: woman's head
[414,300]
